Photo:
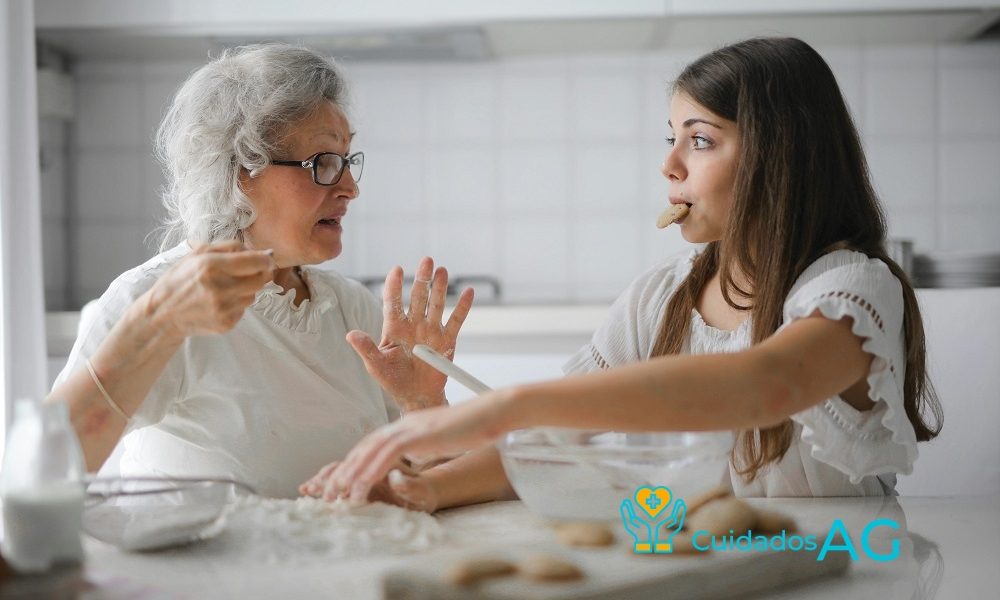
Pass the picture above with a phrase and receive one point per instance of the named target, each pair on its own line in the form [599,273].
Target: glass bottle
[42,488]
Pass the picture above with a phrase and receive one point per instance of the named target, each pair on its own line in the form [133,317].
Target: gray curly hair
[230,114]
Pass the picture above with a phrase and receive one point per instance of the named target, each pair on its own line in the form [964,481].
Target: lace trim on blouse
[278,306]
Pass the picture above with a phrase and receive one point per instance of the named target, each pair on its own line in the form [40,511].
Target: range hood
[438,30]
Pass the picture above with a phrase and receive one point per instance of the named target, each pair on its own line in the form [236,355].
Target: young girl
[790,326]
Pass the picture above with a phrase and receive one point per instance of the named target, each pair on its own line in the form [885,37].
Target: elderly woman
[225,355]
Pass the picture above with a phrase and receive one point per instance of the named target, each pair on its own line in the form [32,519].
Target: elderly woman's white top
[267,403]
[836,449]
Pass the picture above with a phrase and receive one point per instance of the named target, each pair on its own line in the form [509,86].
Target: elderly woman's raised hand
[412,383]
[208,290]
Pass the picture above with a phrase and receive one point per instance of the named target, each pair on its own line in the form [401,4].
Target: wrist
[148,314]
[419,402]
[517,409]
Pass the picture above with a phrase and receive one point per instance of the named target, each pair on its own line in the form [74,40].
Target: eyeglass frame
[313,163]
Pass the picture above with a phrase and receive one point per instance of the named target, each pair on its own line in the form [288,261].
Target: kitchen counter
[949,548]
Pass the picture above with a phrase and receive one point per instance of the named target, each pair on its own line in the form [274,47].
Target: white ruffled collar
[277,305]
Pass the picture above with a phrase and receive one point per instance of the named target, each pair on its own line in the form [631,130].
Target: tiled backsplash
[542,172]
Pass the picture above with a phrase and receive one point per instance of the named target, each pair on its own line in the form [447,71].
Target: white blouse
[267,403]
[836,450]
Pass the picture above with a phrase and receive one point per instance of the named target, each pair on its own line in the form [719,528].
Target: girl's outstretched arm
[805,363]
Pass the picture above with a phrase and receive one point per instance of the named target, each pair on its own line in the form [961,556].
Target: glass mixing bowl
[149,513]
[584,474]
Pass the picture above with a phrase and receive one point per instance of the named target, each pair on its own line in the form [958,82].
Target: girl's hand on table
[419,437]
[413,384]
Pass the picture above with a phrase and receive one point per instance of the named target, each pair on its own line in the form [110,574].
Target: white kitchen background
[540,171]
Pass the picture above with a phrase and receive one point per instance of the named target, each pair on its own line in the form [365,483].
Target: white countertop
[949,548]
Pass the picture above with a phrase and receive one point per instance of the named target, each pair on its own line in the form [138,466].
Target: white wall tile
[659,244]
[534,107]
[986,54]
[970,174]
[462,104]
[534,179]
[971,230]
[606,179]
[106,250]
[54,254]
[386,243]
[108,70]
[393,181]
[389,104]
[464,245]
[156,98]
[109,185]
[919,224]
[899,100]
[903,172]
[461,181]
[606,254]
[970,101]
[605,100]
[899,55]
[655,106]
[108,114]
[52,133]
[52,182]
[535,256]
[653,189]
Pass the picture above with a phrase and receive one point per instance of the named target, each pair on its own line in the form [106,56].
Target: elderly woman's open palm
[412,383]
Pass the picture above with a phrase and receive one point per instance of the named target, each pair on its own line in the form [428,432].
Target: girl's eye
[671,141]
[701,143]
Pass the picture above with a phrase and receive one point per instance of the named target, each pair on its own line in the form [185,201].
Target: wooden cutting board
[615,573]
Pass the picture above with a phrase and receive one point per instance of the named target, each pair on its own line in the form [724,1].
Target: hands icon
[635,526]
[653,502]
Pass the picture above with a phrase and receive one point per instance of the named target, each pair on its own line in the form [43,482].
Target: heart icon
[653,500]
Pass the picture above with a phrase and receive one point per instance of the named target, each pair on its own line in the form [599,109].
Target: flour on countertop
[294,531]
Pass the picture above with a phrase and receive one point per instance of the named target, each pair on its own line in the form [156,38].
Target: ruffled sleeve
[628,332]
[880,440]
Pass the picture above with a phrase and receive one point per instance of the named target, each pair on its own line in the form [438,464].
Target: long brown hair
[802,188]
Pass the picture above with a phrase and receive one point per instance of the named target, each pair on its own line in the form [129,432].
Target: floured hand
[413,383]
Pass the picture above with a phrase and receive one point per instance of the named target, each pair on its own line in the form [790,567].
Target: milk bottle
[41,485]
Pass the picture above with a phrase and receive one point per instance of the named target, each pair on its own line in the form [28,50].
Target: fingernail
[396,478]
[358,491]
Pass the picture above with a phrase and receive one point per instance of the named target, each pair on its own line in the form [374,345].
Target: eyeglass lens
[329,167]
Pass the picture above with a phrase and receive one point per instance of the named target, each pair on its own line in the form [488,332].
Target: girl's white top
[836,450]
[267,403]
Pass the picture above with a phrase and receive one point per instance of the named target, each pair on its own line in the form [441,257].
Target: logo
[653,528]
[652,535]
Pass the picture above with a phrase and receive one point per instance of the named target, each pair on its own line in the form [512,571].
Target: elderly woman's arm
[205,292]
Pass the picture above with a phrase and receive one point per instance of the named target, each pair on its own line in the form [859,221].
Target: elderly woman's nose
[347,187]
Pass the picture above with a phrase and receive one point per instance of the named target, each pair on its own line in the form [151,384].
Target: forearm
[128,362]
[675,393]
[476,477]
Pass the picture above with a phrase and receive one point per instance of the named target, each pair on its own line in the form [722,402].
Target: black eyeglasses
[328,167]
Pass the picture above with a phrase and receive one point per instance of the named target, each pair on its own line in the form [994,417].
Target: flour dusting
[283,531]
